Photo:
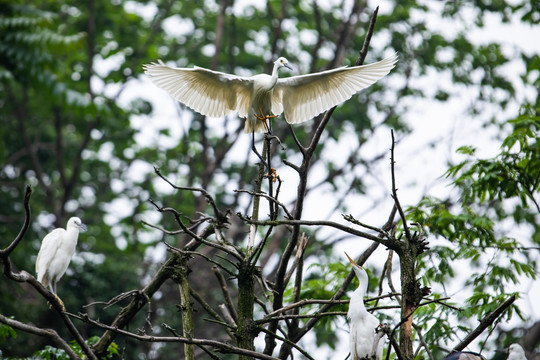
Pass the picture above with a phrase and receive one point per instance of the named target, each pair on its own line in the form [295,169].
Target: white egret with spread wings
[299,98]
[261,97]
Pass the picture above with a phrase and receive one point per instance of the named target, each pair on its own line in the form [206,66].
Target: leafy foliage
[491,191]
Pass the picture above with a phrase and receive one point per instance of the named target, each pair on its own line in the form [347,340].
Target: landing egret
[257,97]
[55,254]
[363,334]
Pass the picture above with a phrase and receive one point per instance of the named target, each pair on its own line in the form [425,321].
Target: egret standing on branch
[55,254]
[364,340]
[261,97]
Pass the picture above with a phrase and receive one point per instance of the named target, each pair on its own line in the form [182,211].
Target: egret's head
[76,222]
[358,270]
[516,350]
[282,62]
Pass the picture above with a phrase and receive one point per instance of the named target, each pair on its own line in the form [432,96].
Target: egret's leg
[61,302]
[263,118]
[52,287]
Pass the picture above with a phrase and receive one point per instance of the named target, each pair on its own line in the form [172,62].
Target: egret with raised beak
[57,249]
[363,336]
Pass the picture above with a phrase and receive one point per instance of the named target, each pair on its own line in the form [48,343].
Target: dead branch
[223,346]
[226,293]
[50,333]
[333,224]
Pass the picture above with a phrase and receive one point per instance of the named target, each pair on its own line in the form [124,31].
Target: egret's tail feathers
[44,280]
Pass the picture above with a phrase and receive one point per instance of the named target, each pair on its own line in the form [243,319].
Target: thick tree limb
[53,335]
[484,323]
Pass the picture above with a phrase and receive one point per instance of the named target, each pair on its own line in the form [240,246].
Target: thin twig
[7,251]
[338,226]
[226,294]
[269,198]
[205,193]
[394,190]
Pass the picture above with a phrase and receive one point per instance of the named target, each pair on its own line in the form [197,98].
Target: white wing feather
[208,92]
[306,96]
[47,252]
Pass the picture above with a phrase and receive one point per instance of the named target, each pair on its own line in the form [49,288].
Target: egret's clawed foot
[272,174]
[60,301]
[263,118]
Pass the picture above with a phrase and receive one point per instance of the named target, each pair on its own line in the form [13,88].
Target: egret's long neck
[274,75]
[72,235]
[363,283]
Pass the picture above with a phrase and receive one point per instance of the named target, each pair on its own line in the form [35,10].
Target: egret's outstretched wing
[306,96]
[208,92]
[46,254]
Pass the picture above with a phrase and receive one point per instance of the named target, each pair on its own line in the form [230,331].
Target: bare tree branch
[484,323]
[226,347]
[53,335]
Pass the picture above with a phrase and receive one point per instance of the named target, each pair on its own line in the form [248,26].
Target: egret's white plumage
[299,98]
[516,352]
[56,251]
[363,324]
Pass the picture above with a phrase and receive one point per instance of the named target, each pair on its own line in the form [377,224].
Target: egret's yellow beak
[352,261]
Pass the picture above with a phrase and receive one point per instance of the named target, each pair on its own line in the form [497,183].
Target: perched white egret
[257,97]
[515,352]
[364,342]
[55,253]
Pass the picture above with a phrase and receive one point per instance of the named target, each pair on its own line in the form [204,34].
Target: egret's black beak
[288,66]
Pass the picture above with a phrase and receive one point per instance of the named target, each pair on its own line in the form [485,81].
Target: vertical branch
[225,291]
[256,203]
[394,189]
[4,254]
[348,28]
[293,326]
[277,25]
[246,330]
[220,29]
[303,171]
[186,309]
[408,250]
